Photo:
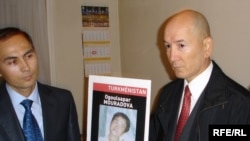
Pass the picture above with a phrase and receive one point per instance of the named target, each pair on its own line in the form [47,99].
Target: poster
[119,108]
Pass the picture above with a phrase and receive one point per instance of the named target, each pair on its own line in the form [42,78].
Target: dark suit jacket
[223,101]
[59,116]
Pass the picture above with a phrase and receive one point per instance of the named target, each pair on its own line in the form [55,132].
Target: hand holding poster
[118,108]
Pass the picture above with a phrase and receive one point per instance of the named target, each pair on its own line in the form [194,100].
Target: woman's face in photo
[118,126]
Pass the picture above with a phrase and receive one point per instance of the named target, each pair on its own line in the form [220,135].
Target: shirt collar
[17,98]
[198,84]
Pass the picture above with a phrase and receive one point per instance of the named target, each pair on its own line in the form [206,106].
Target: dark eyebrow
[9,58]
[14,57]
[29,51]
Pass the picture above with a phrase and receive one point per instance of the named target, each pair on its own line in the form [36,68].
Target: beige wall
[140,26]
[64,31]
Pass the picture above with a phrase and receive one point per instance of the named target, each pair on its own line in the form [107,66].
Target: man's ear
[208,46]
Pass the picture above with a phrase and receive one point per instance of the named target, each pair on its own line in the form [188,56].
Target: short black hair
[124,116]
[6,33]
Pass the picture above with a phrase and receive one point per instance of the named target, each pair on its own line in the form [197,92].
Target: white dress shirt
[197,85]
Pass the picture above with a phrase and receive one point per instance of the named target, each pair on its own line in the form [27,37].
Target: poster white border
[133,82]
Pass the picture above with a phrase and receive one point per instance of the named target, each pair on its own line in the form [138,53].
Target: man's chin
[30,84]
[179,75]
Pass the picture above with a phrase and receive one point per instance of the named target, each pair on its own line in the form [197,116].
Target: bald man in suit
[215,97]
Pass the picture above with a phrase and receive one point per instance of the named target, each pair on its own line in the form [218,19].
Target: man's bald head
[198,21]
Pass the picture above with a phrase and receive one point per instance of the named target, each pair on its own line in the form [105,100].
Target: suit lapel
[48,109]
[9,124]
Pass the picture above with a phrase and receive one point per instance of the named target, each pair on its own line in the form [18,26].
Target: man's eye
[167,46]
[11,62]
[29,55]
[181,45]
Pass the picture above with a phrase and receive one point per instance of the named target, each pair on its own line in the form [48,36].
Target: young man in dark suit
[53,108]
[215,98]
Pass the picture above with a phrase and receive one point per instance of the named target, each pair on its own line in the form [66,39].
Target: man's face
[186,50]
[18,64]
[118,126]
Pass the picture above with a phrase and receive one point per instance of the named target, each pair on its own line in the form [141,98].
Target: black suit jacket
[59,115]
[223,101]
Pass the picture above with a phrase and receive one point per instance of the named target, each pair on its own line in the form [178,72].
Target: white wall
[140,32]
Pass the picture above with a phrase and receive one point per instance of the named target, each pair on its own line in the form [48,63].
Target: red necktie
[184,113]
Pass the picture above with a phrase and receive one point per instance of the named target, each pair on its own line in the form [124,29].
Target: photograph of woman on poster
[118,129]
